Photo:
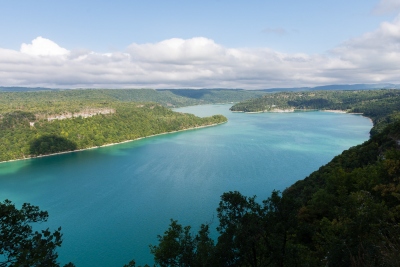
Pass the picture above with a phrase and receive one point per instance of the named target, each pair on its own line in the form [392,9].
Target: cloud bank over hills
[199,62]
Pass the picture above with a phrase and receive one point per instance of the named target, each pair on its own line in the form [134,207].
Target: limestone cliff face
[84,114]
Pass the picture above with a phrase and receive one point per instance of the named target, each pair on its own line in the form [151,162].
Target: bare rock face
[90,112]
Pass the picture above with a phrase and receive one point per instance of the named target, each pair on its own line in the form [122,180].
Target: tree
[242,231]
[19,244]
[132,263]
[178,247]
[257,235]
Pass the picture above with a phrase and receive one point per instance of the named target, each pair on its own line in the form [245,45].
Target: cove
[112,202]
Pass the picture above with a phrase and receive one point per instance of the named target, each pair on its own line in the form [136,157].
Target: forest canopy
[382,106]
[347,213]
[46,122]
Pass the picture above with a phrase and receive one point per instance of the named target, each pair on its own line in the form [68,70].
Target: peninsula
[381,106]
[48,123]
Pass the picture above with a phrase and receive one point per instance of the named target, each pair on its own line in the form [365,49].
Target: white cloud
[43,47]
[387,7]
[200,62]
[177,51]
[374,55]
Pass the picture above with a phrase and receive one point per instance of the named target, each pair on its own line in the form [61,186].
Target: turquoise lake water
[112,202]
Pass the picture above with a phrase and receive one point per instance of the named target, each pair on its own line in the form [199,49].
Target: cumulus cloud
[375,54]
[175,49]
[43,47]
[387,7]
[200,62]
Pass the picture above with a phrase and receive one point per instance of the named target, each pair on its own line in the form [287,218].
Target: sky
[253,44]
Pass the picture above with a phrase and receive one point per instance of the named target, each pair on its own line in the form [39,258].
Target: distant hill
[53,99]
[360,86]
[382,106]
[215,95]
[24,89]
[208,93]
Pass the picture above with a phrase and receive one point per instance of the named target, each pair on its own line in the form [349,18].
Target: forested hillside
[337,87]
[28,127]
[59,101]
[382,106]
[214,96]
[25,114]
[345,214]
[74,99]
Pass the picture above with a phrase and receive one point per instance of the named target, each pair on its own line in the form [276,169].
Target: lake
[112,202]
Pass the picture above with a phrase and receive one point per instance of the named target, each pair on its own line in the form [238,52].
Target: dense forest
[382,106]
[23,135]
[215,96]
[347,213]
[37,121]
[45,122]
[72,100]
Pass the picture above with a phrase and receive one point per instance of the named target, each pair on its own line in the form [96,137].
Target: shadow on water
[49,144]
[52,147]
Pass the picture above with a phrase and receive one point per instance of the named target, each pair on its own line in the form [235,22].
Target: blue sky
[196,44]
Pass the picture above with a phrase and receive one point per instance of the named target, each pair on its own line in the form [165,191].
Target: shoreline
[300,110]
[267,111]
[291,110]
[334,111]
[308,110]
[112,144]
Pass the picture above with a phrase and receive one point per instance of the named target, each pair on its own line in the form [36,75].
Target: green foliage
[251,234]
[48,144]
[215,96]
[72,100]
[345,214]
[132,263]
[28,127]
[351,204]
[130,121]
[19,244]
[178,247]
[382,106]
[16,119]
[241,231]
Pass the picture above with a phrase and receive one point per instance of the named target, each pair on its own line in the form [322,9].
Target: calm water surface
[112,202]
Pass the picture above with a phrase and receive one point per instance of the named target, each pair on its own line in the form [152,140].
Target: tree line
[73,100]
[347,213]
[382,106]
[23,135]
